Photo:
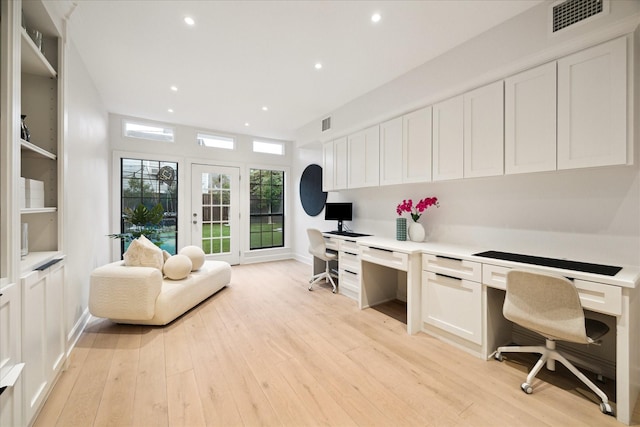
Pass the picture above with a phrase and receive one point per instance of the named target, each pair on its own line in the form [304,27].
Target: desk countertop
[628,277]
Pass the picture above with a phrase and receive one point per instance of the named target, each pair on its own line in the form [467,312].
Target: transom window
[216,141]
[147,131]
[268,147]
[267,208]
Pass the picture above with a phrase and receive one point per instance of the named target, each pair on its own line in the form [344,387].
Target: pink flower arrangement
[417,210]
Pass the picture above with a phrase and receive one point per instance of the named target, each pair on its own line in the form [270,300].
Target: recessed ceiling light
[265,108]
[170,110]
[174,88]
[189,21]
[318,65]
[246,124]
[376,17]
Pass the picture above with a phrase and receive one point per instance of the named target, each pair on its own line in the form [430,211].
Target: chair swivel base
[548,357]
[322,276]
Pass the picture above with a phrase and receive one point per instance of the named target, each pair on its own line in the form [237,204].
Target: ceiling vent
[326,124]
[566,13]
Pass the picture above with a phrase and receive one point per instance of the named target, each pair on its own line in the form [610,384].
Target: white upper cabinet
[391,169]
[328,167]
[530,121]
[484,131]
[448,139]
[592,107]
[340,163]
[416,146]
[364,158]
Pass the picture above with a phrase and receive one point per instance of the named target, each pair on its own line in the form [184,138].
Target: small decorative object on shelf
[401,229]
[24,245]
[24,130]
[416,230]
[36,36]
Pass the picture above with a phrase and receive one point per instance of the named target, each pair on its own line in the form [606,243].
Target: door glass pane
[215,213]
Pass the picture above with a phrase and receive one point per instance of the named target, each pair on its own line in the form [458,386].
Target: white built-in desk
[458,297]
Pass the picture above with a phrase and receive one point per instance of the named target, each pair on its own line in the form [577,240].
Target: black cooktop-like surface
[605,270]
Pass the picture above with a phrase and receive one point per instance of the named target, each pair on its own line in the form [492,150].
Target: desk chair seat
[318,248]
[550,305]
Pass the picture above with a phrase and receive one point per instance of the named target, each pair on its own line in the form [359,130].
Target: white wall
[185,151]
[86,174]
[590,215]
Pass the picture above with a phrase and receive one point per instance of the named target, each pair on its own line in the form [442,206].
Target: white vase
[416,232]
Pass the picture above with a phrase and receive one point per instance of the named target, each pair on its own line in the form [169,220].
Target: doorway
[215,211]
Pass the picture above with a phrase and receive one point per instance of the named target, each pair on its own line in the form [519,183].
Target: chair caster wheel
[526,388]
[498,357]
[605,408]
[334,291]
[309,288]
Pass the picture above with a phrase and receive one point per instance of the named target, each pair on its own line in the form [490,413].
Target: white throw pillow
[195,254]
[143,253]
[177,267]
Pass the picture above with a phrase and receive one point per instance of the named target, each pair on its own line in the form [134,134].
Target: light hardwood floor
[265,351]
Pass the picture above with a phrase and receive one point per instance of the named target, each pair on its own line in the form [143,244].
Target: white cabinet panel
[391,152]
[448,139]
[328,166]
[484,131]
[364,158]
[11,399]
[416,146]
[453,305]
[530,120]
[340,163]
[592,106]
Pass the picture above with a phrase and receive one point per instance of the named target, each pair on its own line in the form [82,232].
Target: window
[147,131]
[267,208]
[215,141]
[147,183]
[268,147]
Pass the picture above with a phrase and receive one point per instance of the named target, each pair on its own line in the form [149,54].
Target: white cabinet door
[484,131]
[530,121]
[416,146]
[453,305]
[328,166]
[42,332]
[364,158]
[592,106]
[11,398]
[391,152]
[340,163]
[448,139]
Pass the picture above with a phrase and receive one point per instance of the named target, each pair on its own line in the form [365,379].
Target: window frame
[126,121]
[212,136]
[281,144]
[284,207]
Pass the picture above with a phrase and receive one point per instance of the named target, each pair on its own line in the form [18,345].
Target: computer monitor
[338,212]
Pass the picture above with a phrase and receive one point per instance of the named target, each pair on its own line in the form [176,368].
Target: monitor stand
[340,226]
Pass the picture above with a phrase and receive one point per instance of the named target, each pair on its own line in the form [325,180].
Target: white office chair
[318,249]
[550,306]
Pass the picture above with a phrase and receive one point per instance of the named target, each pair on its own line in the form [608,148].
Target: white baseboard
[74,335]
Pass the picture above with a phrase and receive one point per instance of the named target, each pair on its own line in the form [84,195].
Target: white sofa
[140,295]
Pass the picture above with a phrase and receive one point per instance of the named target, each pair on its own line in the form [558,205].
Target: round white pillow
[195,254]
[177,267]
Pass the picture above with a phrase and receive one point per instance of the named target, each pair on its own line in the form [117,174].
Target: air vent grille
[326,124]
[571,11]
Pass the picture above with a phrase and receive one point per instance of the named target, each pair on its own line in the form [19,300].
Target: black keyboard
[347,233]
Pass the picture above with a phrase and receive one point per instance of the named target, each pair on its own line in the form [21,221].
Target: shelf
[35,259]
[28,146]
[32,60]
[26,211]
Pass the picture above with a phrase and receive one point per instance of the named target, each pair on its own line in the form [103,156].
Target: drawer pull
[351,253]
[381,249]
[448,257]
[448,277]
[350,272]
[48,264]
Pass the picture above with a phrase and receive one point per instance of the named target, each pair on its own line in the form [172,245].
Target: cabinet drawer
[349,262]
[453,305]
[495,276]
[350,280]
[349,246]
[332,243]
[397,260]
[593,296]
[453,267]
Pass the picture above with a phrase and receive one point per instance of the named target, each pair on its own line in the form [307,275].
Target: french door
[215,211]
